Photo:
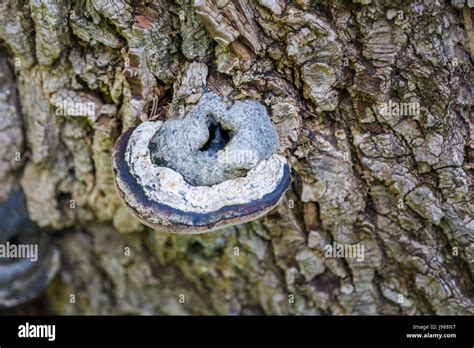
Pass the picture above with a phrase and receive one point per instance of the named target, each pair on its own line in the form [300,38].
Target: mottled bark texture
[398,184]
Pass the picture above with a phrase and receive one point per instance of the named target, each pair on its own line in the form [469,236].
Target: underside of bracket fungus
[214,167]
[29,261]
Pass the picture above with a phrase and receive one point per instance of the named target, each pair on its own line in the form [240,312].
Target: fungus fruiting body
[28,260]
[215,167]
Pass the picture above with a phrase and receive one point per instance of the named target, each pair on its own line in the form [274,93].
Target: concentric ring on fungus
[164,199]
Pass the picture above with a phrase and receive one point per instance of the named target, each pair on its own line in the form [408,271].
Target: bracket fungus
[28,260]
[216,166]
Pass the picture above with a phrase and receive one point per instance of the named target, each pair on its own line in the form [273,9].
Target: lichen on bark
[398,184]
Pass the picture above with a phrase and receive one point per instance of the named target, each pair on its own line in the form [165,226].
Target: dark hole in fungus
[218,139]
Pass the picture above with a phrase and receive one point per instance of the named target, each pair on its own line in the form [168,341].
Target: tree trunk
[372,103]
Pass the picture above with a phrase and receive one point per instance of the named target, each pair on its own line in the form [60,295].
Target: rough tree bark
[398,184]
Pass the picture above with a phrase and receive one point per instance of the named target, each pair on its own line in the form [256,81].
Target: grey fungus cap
[217,166]
[29,261]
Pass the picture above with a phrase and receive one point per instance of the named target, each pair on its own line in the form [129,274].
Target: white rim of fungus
[166,186]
